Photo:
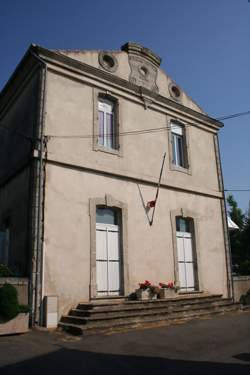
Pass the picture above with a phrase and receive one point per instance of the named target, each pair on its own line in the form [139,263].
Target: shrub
[9,307]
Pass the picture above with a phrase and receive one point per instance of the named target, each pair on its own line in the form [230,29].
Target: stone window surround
[187,214]
[109,202]
[172,166]
[96,147]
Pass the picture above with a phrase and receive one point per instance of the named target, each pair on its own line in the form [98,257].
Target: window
[106,215]
[4,245]
[182,225]
[107,134]
[179,156]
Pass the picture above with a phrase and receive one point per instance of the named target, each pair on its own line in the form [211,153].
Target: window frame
[173,136]
[104,97]
[193,219]
[107,107]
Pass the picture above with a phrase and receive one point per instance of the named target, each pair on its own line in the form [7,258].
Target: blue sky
[204,46]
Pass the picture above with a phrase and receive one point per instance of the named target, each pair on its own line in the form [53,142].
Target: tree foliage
[239,239]
[235,212]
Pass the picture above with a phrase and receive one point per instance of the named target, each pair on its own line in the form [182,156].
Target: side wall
[67,247]
[14,207]
[18,119]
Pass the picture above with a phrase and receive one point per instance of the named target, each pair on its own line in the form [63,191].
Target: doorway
[187,264]
[108,251]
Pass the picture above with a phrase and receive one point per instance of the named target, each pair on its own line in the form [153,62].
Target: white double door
[186,263]
[108,263]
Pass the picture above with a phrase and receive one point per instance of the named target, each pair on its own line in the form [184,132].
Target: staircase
[104,316]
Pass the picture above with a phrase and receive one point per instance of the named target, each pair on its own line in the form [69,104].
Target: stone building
[82,140]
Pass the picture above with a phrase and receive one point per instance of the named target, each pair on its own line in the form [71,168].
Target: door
[185,255]
[108,278]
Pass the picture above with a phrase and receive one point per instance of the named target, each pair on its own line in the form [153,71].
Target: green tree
[235,212]
[245,246]
[238,218]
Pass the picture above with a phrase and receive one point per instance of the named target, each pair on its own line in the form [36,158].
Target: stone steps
[149,303]
[110,326]
[89,318]
[139,310]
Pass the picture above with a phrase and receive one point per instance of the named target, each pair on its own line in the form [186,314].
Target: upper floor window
[107,134]
[179,156]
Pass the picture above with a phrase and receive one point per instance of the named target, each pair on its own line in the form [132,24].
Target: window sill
[177,168]
[111,151]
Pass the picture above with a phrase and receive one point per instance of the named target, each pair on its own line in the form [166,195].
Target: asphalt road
[214,346]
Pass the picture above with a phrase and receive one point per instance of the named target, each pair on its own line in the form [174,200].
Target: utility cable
[132,132]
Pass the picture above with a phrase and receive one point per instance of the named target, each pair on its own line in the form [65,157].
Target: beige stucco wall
[70,113]
[123,71]
[150,249]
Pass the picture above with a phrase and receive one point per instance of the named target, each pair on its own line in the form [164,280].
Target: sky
[204,46]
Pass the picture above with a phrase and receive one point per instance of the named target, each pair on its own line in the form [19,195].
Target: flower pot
[167,293]
[145,294]
[142,294]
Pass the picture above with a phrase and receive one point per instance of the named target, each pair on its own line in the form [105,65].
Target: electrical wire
[236,189]
[132,132]
[233,116]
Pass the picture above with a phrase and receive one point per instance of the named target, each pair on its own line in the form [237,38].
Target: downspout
[224,221]
[37,266]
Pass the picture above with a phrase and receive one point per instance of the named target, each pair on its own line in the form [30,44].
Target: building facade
[83,136]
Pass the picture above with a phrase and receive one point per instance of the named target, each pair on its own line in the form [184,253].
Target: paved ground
[213,346]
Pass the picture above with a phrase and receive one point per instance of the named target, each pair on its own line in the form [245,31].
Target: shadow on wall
[74,362]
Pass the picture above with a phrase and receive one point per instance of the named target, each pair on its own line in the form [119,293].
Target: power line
[233,116]
[145,131]
[237,190]
[132,132]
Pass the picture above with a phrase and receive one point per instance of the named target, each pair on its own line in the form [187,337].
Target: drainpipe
[224,221]
[37,261]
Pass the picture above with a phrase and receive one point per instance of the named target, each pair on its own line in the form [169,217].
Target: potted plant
[147,291]
[142,293]
[167,290]
[154,292]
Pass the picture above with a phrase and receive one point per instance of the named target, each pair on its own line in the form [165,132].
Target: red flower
[145,285]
